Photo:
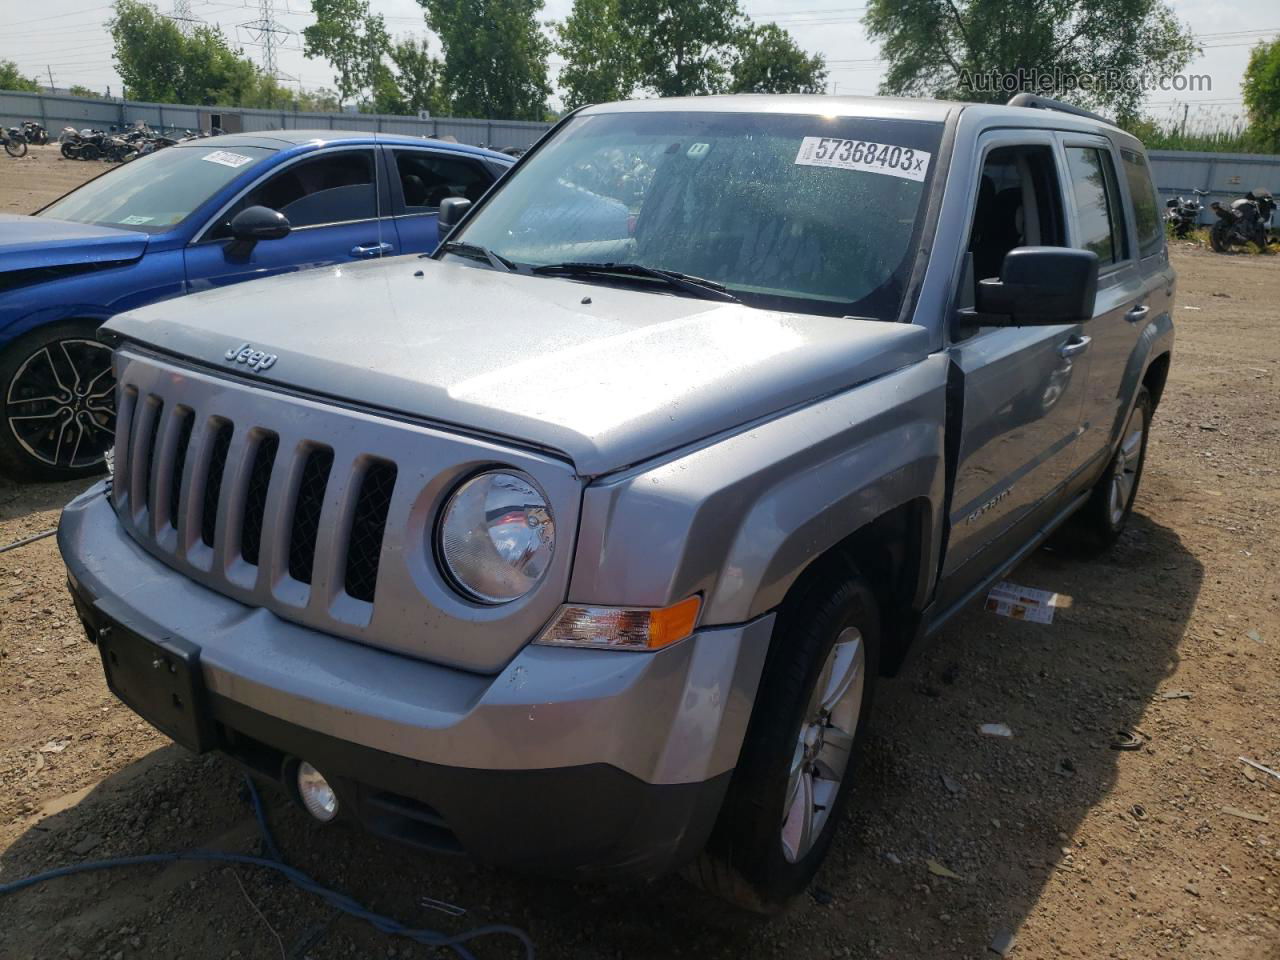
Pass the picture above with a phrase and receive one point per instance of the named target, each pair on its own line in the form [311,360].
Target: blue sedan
[195,216]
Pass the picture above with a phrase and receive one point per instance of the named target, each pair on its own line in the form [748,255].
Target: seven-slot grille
[198,484]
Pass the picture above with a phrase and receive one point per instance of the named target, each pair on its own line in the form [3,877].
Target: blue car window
[427,178]
[335,187]
[157,192]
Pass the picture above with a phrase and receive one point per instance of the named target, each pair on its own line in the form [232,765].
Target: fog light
[317,796]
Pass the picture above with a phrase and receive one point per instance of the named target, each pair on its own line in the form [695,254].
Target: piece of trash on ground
[1245,814]
[1124,740]
[938,870]
[1175,695]
[1257,766]
[1255,636]
[1002,943]
[1025,603]
[54,746]
[995,730]
[951,785]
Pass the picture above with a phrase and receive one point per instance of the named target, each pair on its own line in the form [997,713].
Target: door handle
[372,250]
[1075,346]
[1137,313]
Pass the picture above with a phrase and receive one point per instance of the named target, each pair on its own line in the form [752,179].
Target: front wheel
[1218,237]
[57,403]
[798,760]
[15,147]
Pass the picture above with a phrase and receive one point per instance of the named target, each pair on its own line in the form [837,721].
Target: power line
[58,16]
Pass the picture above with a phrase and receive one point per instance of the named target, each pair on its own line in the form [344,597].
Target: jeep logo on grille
[255,360]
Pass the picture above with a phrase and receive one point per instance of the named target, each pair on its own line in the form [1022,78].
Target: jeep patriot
[579,545]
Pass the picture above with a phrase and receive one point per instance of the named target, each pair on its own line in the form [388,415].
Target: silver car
[580,545]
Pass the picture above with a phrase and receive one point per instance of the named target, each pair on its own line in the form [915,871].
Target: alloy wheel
[824,745]
[60,404]
[1124,472]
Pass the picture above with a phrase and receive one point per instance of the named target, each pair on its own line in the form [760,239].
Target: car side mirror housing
[253,224]
[452,209]
[1040,286]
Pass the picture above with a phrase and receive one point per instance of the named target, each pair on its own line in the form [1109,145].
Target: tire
[88,151]
[758,857]
[57,403]
[15,147]
[69,150]
[1102,519]
[1218,237]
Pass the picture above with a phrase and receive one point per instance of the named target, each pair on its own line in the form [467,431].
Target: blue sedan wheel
[59,404]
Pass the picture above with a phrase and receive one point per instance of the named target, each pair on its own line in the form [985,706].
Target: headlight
[496,537]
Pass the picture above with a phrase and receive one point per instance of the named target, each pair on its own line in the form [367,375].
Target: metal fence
[1225,175]
[56,111]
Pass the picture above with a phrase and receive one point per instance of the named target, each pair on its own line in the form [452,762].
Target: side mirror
[452,209]
[1041,286]
[253,224]
[259,223]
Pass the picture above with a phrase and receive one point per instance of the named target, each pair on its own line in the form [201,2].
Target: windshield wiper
[697,286]
[476,252]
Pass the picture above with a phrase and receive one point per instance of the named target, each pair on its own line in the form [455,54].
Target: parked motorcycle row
[1245,220]
[117,147]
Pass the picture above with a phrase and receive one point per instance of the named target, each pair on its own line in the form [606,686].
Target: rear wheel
[69,150]
[1102,519]
[15,146]
[1218,237]
[798,761]
[57,403]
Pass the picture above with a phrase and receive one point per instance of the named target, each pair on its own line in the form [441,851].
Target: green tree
[1261,88]
[600,63]
[769,61]
[418,76]
[158,63]
[318,101]
[79,91]
[12,79]
[949,48]
[682,48]
[352,39]
[495,56]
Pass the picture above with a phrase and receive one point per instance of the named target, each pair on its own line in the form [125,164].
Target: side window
[1019,204]
[335,187]
[1146,205]
[426,178]
[1098,211]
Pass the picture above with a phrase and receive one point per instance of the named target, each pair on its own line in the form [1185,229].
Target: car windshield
[805,213]
[156,192]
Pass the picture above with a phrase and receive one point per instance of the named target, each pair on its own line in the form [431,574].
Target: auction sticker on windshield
[906,162]
[227,159]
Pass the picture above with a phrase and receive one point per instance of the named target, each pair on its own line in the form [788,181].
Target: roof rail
[1045,103]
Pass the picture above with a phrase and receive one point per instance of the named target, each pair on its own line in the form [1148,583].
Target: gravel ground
[1076,849]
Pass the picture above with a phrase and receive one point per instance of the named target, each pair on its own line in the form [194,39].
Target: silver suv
[580,545]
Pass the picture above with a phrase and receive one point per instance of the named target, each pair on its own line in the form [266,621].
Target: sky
[68,39]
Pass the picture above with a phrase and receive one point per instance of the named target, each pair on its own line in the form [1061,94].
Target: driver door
[1023,387]
[331,199]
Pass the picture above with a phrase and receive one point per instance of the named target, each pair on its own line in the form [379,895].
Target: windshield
[796,212]
[156,192]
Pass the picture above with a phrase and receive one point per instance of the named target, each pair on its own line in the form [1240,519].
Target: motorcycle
[15,144]
[34,132]
[1246,220]
[1184,215]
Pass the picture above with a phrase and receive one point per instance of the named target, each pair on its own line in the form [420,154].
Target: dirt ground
[1077,849]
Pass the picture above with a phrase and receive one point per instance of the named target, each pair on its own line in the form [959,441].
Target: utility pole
[1185,108]
[50,69]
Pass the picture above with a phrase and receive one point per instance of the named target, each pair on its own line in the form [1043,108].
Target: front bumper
[567,761]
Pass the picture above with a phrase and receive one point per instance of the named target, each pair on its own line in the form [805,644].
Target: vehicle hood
[28,243]
[607,376]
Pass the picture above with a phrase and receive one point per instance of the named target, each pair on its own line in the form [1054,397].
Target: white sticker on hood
[905,162]
[227,159]
[135,219]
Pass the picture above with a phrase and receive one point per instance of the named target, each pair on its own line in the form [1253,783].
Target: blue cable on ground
[430,938]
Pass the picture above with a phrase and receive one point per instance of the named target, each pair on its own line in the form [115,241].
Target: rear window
[1146,205]
[1098,212]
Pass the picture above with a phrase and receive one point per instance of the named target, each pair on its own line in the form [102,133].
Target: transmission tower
[183,17]
[270,34]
